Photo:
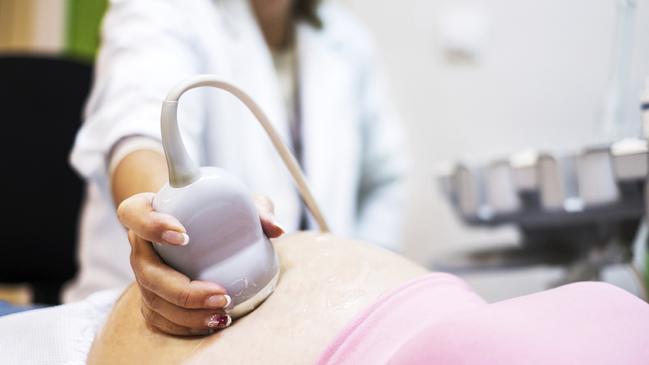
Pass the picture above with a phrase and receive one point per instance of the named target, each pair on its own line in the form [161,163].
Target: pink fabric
[437,319]
[379,331]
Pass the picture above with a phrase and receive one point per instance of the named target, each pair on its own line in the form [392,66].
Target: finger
[190,318]
[264,204]
[161,324]
[137,214]
[159,278]
[266,210]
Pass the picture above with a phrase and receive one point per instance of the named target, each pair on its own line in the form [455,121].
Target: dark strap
[295,128]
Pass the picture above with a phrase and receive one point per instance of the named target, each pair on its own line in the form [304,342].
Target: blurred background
[475,81]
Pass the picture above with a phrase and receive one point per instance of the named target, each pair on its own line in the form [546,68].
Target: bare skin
[275,18]
[325,281]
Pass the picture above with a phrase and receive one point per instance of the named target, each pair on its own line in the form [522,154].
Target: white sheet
[56,335]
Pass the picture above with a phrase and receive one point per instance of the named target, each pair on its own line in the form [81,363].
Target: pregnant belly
[324,282]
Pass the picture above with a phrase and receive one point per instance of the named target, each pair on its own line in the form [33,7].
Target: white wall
[539,83]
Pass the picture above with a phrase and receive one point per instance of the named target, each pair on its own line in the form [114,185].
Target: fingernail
[175,238]
[228,301]
[219,321]
[280,228]
[218,301]
[272,219]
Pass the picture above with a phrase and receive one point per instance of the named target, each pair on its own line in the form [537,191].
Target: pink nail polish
[219,321]
[274,221]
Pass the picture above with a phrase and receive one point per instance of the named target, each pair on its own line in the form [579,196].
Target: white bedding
[55,335]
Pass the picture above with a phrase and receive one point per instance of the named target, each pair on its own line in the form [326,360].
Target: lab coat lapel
[321,81]
[252,70]
[252,64]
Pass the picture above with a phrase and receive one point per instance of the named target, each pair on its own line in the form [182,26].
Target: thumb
[266,210]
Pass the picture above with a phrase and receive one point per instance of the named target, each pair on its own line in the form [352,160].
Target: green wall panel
[83,22]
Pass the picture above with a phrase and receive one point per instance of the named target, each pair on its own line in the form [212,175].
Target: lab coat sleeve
[382,189]
[146,49]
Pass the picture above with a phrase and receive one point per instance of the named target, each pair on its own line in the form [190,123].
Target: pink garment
[438,319]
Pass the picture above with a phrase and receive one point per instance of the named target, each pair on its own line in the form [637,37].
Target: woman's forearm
[138,172]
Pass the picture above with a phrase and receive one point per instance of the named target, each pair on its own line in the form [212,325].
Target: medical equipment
[578,210]
[227,245]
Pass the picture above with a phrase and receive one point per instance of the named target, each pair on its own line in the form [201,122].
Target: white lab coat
[645,108]
[352,150]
